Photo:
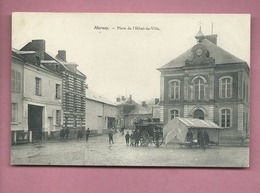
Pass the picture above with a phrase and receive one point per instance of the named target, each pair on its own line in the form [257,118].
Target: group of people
[202,138]
[64,134]
[132,139]
[80,134]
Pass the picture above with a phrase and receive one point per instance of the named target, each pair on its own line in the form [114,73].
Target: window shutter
[18,81]
[13,80]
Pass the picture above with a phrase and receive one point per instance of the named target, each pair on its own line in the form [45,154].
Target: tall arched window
[225,87]
[225,118]
[199,89]
[174,89]
[174,113]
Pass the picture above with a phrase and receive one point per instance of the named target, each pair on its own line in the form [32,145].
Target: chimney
[143,103]
[156,101]
[212,38]
[118,99]
[39,47]
[130,98]
[62,55]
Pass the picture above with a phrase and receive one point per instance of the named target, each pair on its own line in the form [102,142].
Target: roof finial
[200,35]
[200,24]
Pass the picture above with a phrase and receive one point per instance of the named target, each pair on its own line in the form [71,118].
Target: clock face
[199,52]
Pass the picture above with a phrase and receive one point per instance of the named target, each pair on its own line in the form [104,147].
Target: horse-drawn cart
[149,132]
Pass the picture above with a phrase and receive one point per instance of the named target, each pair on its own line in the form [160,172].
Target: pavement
[98,152]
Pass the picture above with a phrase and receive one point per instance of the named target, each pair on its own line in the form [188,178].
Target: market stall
[176,132]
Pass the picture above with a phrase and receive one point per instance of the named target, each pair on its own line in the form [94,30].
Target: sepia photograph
[131,90]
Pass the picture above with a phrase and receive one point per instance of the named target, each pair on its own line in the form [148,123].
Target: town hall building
[207,82]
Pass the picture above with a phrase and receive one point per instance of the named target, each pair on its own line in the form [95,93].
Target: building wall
[17,97]
[98,116]
[94,116]
[47,99]
[48,85]
[238,103]
[74,98]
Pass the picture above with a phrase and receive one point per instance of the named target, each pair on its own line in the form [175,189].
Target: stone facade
[206,82]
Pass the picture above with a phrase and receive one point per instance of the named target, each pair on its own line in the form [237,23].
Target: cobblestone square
[98,152]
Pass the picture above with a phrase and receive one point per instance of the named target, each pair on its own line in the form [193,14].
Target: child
[127,136]
[132,140]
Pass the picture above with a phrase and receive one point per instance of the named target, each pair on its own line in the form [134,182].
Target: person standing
[87,134]
[127,136]
[62,134]
[110,137]
[80,134]
[136,137]
[67,131]
[189,138]
[199,138]
[132,139]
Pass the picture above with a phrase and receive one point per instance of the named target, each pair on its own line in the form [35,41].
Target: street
[98,152]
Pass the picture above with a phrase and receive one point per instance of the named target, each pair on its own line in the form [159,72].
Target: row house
[207,82]
[36,107]
[66,84]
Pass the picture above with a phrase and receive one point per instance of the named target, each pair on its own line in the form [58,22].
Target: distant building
[207,82]
[101,113]
[130,111]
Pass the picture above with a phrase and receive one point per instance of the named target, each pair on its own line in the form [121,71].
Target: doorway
[198,114]
[35,121]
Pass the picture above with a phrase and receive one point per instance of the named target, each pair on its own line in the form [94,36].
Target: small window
[174,114]
[58,91]
[38,86]
[174,89]
[82,86]
[14,113]
[16,81]
[58,117]
[225,118]
[199,88]
[225,87]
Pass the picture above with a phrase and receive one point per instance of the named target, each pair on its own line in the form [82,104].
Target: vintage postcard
[103,89]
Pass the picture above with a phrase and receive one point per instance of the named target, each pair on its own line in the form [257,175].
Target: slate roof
[15,54]
[141,110]
[63,63]
[97,97]
[220,55]
[19,55]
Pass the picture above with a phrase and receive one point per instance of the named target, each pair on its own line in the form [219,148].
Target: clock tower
[200,54]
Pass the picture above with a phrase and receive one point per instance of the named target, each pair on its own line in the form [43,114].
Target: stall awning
[198,123]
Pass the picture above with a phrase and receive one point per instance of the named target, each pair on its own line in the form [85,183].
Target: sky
[120,53]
